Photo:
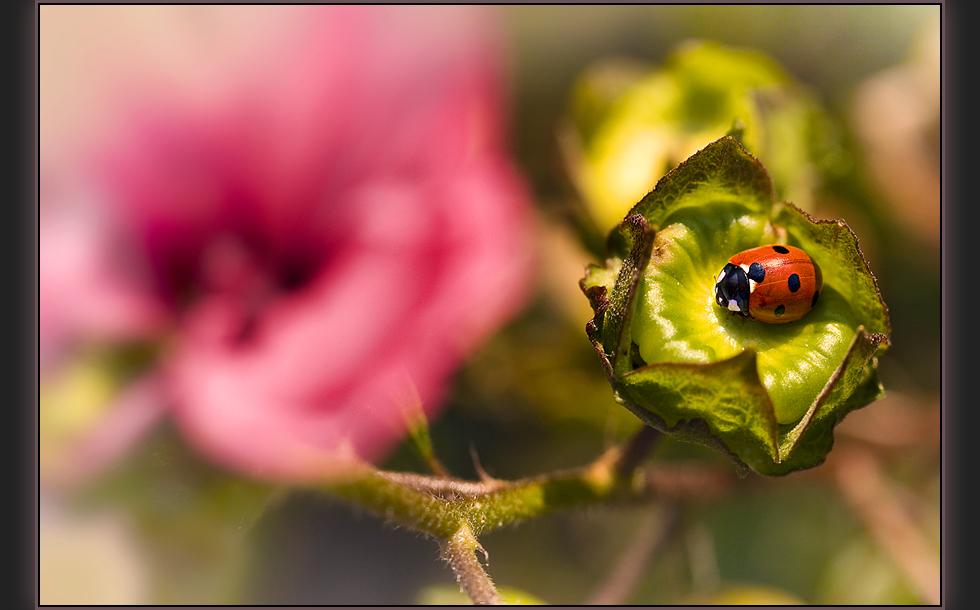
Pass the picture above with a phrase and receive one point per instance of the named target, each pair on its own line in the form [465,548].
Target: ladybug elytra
[773,284]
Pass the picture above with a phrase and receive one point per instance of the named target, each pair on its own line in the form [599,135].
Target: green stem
[460,553]
[455,512]
[439,506]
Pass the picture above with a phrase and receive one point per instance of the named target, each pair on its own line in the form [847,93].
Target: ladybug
[773,284]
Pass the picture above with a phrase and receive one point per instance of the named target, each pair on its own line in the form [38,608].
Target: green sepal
[767,395]
[720,405]
[722,172]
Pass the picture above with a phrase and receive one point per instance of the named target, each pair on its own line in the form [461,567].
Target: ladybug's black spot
[793,283]
[816,294]
[780,249]
[780,310]
[757,272]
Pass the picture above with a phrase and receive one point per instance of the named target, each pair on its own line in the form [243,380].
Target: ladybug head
[732,289]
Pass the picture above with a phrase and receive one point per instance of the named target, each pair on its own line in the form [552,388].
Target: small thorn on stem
[486,478]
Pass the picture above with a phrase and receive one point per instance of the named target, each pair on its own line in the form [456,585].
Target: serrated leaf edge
[728,151]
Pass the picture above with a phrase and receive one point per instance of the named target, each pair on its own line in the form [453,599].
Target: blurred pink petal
[78,291]
[330,221]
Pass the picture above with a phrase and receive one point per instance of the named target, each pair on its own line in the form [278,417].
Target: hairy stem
[440,506]
[460,553]
[455,511]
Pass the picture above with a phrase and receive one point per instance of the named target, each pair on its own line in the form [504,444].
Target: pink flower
[323,224]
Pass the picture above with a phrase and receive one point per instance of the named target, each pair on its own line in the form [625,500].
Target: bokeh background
[167,526]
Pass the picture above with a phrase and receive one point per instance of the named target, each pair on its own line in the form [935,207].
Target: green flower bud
[766,394]
[629,125]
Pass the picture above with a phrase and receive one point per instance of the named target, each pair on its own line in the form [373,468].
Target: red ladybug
[773,284]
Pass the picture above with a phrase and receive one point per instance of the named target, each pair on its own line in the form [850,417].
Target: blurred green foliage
[628,126]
